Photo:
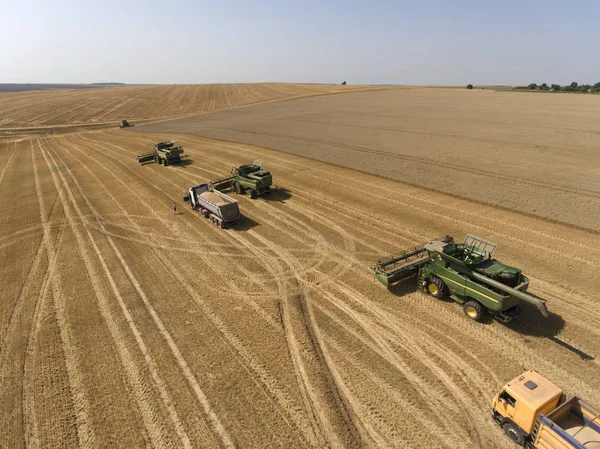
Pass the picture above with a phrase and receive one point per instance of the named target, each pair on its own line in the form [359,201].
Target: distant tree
[597,85]
[555,87]
[532,86]
[469,86]
[544,86]
[344,83]
[573,85]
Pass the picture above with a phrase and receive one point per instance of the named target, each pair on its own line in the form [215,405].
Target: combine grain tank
[249,178]
[533,413]
[465,272]
[221,209]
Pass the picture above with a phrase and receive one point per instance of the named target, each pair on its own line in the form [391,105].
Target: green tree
[532,86]
[573,85]
[469,86]
[544,86]
[555,87]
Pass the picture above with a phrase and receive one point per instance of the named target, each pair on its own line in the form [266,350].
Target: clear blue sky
[363,42]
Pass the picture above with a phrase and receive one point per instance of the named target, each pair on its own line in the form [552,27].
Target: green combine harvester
[249,178]
[466,272]
[165,153]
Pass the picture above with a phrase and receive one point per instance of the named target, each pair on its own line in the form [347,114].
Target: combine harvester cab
[221,209]
[165,153]
[466,272]
[249,178]
[125,124]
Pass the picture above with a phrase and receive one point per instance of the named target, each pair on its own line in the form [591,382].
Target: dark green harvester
[165,153]
[466,272]
[249,178]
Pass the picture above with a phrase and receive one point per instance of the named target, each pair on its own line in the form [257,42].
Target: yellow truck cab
[533,414]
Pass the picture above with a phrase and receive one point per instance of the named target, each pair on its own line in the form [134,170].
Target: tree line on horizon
[573,87]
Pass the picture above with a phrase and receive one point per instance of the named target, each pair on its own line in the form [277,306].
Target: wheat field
[124,325]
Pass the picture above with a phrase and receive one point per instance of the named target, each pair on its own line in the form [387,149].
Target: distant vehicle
[250,178]
[165,153]
[221,209]
[125,124]
[466,272]
[534,414]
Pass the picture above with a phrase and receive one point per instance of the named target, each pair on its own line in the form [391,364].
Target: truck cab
[521,402]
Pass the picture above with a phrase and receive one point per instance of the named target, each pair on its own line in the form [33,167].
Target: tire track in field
[225,281]
[395,226]
[427,419]
[429,163]
[320,390]
[386,343]
[151,419]
[211,416]
[22,316]
[7,163]
[368,186]
[281,399]
[43,305]
[250,363]
[413,237]
[85,431]
[278,251]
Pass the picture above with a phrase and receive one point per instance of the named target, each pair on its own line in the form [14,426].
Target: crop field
[123,324]
[108,105]
[537,154]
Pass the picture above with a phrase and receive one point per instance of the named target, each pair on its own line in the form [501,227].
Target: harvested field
[537,154]
[108,105]
[122,325]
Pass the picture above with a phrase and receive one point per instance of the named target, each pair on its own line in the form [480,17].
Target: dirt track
[537,154]
[123,325]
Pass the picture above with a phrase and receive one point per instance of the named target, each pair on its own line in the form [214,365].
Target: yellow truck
[534,414]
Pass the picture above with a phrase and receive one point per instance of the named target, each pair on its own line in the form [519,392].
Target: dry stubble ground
[537,154]
[123,325]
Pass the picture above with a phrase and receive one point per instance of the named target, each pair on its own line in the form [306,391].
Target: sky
[427,42]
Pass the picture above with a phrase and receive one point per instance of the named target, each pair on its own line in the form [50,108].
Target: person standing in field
[174,209]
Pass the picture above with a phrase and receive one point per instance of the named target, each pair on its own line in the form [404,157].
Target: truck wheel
[436,287]
[206,214]
[252,194]
[514,433]
[474,310]
[237,188]
[166,162]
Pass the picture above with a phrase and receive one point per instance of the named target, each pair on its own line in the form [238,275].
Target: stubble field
[537,154]
[105,106]
[123,325]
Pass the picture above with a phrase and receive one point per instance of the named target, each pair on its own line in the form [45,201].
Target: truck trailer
[221,209]
[535,414]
